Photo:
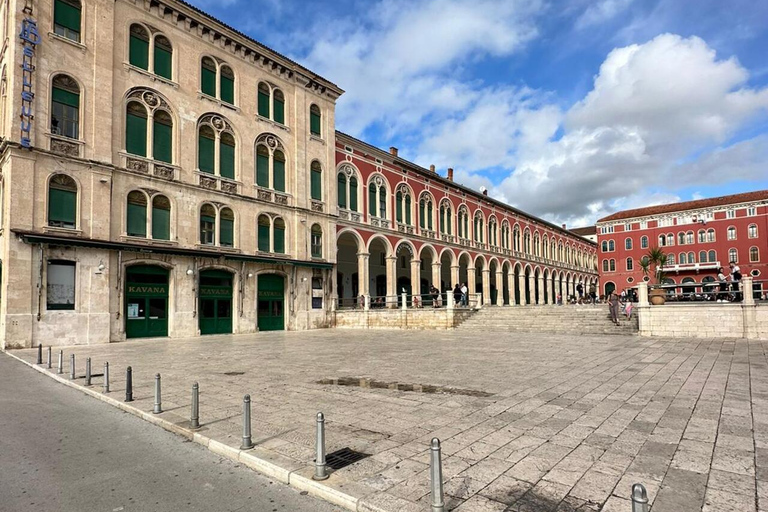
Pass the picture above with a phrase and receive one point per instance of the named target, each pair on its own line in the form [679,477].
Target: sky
[567,109]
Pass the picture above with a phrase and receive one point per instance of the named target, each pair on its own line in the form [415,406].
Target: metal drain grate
[344,457]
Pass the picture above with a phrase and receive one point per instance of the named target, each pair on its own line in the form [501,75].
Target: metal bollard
[247,442]
[158,402]
[639,498]
[39,353]
[60,366]
[106,377]
[194,420]
[72,366]
[436,476]
[321,469]
[49,358]
[129,384]
[88,371]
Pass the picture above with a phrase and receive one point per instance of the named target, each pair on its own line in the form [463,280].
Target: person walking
[593,293]
[464,294]
[580,291]
[735,281]
[457,295]
[613,307]
[723,292]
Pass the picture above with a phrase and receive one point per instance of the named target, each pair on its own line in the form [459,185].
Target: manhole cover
[232,374]
[344,457]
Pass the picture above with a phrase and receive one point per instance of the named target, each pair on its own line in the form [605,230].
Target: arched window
[703,256]
[516,238]
[644,242]
[160,60]
[689,237]
[227,84]
[341,191]
[316,180]
[662,240]
[505,236]
[209,216]
[463,221]
[316,241]
[681,238]
[754,255]
[264,225]
[712,256]
[163,57]
[377,198]
[138,48]
[613,265]
[217,80]
[136,129]
[208,72]
[752,231]
[536,245]
[403,202]
[527,242]
[347,188]
[161,218]
[278,106]
[604,246]
[278,229]
[136,214]
[314,120]
[702,236]
[148,126]
[731,233]
[207,225]
[226,228]
[670,239]
[733,255]
[65,107]
[264,93]
[270,156]
[630,264]
[691,257]
[628,244]
[605,265]
[611,246]
[66,18]
[683,258]
[426,212]
[446,222]
[62,202]
[492,233]
[215,139]
[710,235]
[478,227]
[670,259]
[271,103]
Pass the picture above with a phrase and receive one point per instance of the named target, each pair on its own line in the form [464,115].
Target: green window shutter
[137,220]
[429,216]
[382,202]
[466,226]
[208,81]
[66,15]
[342,191]
[136,135]
[263,238]
[316,185]
[314,124]
[227,232]
[421,214]
[399,207]
[138,52]
[408,219]
[280,240]
[161,224]
[278,180]
[448,216]
[228,90]
[162,143]
[263,104]
[372,199]
[227,160]
[279,112]
[353,194]
[71,99]
[206,154]
[262,170]
[62,206]
[163,62]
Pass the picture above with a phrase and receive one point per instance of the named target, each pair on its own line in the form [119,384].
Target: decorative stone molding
[165,172]
[264,195]
[230,187]
[135,164]
[281,199]
[317,206]
[65,147]
[208,182]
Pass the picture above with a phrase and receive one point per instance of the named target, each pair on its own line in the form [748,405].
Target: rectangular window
[136,135]
[279,240]
[162,142]
[228,90]
[66,19]
[627,226]
[317,293]
[751,211]
[60,287]
[227,232]
[316,185]
[163,62]
[644,224]
[264,238]
[262,170]
[161,224]
[227,161]
[137,220]
[278,180]
[206,156]
[138,52]
[65,115]
[207,230]
[263,104]
[62,208]
[730,214]
[317,245]
[314,124]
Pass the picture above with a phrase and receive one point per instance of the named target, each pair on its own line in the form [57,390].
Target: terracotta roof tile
[688,205]
[586,230]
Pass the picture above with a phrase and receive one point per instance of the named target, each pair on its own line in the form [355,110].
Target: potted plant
[653,263]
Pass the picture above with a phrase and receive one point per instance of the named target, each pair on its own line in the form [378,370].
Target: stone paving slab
[528,422]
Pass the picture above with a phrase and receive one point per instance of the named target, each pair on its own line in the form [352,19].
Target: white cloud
[601,12]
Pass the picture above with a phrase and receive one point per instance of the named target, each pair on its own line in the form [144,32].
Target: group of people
[732,282]
[620,303]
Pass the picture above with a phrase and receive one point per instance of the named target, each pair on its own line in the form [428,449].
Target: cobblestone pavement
[529,422]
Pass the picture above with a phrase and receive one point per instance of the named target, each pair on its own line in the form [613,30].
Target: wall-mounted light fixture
[100,268]
[190,271]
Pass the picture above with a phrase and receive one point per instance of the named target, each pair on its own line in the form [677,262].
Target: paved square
[528,422]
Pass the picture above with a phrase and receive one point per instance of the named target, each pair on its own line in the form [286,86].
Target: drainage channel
[363,382]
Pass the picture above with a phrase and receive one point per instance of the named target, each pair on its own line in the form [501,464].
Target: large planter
[657,296]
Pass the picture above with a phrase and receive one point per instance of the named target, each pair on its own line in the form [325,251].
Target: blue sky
[567,109]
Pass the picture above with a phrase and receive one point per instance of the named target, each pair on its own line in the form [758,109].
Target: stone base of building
[704,321]
[438,319]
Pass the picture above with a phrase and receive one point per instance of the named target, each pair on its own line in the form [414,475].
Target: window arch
[733,255]
[404,205]
[712,255]
[270,163]
[527,241]
[347,188]
[681,238]
[516,238]
[316,241]
[630,264]
[605,265]
[670,259]
[426,212]
[662,240]
[148,222]
[150,51]
[161,217]
[271,102]
[702,236]
[731,233]
[683,258]
[377,197]
[149,126]
[217,80]
[212,218]
[463,222]
[752,231]
[67,16]
[710,235]
[316,180]
[278,237]
[65,107]
[62,202]
[689,237]
[216,146]
[703,256]
[446,221]
[628,244]
[611,246]
[271,234]
[644,242]
[604,246]
[478,226]
[536,244]
[136,214]
[493,232]
[505,234]
[754,254]
[315,120]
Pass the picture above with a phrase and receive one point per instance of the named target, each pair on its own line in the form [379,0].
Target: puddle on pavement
[400,386]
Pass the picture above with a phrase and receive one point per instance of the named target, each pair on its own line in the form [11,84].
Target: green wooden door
[146,302]
[270,302]
[215,302]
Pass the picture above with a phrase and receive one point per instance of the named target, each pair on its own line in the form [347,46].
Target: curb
[293,478]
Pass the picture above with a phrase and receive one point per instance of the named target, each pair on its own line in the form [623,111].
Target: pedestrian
[593,293]
[457,294]
[464,294]
[735,281]
[613,307]
[580,291]
[435,293]
[723,293]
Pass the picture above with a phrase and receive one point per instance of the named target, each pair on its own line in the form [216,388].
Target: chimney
[432,167]
[450,174]
[563,226]
[393,150]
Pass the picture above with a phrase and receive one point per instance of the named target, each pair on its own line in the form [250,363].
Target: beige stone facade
[105,173]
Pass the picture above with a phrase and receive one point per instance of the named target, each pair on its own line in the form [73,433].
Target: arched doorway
[377,271]
[479,266]
[493,266]
[428,258]
[404,255]
[347,276]
[505,270]
[146,301]
[464,262]
[528,291]
[215,302]
[271,297]
[609,288]
[446,281]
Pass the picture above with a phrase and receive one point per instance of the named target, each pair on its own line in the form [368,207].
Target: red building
[698,236]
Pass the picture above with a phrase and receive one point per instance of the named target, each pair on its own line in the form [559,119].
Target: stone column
[486,286]
[549,290]
[642,294]
[471,280]
[416,277]
[511,286]
[392,281]
[455,276]
[521,285]
[436,270]
[540,299]
[746,290]
[532,286]
[499,288]
[363,270]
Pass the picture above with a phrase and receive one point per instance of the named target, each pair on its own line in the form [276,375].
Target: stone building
[164,175]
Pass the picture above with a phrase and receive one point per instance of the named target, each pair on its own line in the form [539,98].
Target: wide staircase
[571,319]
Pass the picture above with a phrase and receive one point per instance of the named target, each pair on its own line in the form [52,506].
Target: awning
[44,238]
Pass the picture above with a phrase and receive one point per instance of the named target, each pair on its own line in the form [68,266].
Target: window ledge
[63,231]
[229,250]
[148,241]
[317,138]
[67,40]
[273,123]
[219,102]
[151,76]
[64,145]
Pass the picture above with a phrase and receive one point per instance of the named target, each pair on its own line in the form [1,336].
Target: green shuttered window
[208,77]
[263,235]
[138,51]
[408,219]
[342,190]
[429,216]
[278,180]
[163,62]
[227,232]
[263,102]
[316,185]
[227,89]
[279,239]
[399,207]
[62,208]
[421,214]
[66,19]
[65,112]
[262,167]
[161,223]
[279,111]
[227,159]
[314,123]
[206,152]
[353,194]
[136,131]
[162,139]
[137,220]
[372,200]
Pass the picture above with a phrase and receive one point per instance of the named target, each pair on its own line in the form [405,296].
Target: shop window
[60,285]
